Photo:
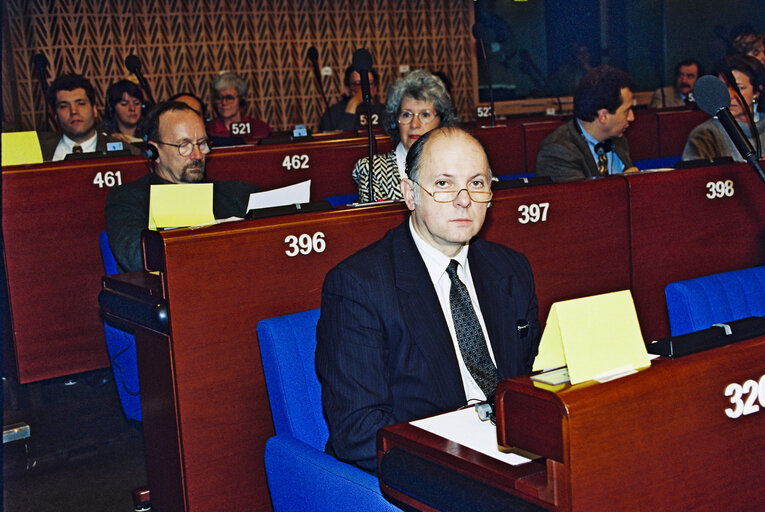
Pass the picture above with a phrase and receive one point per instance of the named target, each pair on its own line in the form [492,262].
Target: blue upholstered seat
[301,476]
[121,348]
[699,303]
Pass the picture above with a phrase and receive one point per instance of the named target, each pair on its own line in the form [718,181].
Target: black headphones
[150,152]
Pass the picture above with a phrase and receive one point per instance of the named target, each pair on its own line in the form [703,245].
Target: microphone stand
[478,34]
[362,63]
[41,64]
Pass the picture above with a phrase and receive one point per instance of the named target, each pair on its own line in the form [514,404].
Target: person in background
[73,101]
[592,143]
[124,113]
[709,139]
[751,44]
[229,97]
[416,103]
[681,93]
[350,113]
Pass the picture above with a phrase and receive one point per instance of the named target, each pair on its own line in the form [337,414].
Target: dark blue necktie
[470,337]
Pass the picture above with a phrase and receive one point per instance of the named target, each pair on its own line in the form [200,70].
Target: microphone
[362,63]
[133,64]
[313,56]
[712,97]
[40,62]
[479,35]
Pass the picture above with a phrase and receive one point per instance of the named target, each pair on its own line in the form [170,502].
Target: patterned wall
[183,43]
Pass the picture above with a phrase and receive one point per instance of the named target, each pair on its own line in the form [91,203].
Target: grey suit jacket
[671,98]
[565,156]
[384,353]
[49,141]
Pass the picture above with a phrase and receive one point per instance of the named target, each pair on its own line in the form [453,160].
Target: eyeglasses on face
[447,196]
[185,148]
[425,116]
[222,98]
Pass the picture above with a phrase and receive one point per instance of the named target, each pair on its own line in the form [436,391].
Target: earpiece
[151,152]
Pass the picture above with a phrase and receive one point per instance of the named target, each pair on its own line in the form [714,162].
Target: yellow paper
[21,148]
[181,205]
[592,336]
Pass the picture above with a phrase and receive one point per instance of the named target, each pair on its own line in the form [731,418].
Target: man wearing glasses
[343,115]
[428,318]
[178,145]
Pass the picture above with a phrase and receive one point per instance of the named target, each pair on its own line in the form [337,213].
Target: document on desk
[464,428]
[291,194]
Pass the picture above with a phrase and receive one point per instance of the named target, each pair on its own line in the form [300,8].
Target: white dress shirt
[436,263]
[66,144]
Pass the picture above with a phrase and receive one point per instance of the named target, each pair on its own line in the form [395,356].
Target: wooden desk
[674,128]
[656,440]
[52,215]
[205,408]
[678,231]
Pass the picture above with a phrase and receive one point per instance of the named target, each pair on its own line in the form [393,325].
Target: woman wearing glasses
[416,104]
[229,95]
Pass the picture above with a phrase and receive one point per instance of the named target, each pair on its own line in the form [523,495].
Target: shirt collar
[436,261]
[87,146]
[401,160]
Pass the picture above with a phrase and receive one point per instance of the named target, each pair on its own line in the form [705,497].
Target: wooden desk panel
[678,233]
[674,128]
[581,249]
[327,163]
[505,148]
[52,215]
[643,136]
[656,440]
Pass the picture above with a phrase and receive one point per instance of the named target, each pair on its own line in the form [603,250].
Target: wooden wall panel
[183,43]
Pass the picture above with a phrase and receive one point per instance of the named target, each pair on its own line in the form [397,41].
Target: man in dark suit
[73,101]
[593,143]
[178,146]
[399,336]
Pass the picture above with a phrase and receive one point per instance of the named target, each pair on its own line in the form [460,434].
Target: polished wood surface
[52,215]
[208,405]
[678,233]
[657,440]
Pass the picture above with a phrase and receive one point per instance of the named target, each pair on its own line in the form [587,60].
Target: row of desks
[53,214]
[203,392]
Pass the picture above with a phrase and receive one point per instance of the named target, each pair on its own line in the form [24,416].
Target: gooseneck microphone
[712,97]
[479,35]
[362,63]
[40,62]
[133,64]
[313,56]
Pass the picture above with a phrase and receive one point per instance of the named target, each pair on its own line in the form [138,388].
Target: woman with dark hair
[416,104]
[124,111]
[229,95]
[709,139]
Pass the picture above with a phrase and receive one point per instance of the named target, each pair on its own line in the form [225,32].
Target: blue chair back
[697,304]
[287,348]
[121,348]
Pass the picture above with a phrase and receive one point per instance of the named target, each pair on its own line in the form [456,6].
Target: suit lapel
[492,288]
[423,317]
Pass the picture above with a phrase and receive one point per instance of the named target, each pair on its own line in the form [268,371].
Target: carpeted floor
[82,455]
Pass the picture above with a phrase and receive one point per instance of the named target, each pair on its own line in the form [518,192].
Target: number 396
[305,244]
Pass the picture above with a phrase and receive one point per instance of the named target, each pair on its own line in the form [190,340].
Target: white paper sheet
[291,194]
[463,427]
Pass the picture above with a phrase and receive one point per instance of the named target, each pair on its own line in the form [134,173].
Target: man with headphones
[73,101]
[177,145]
[592,144]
